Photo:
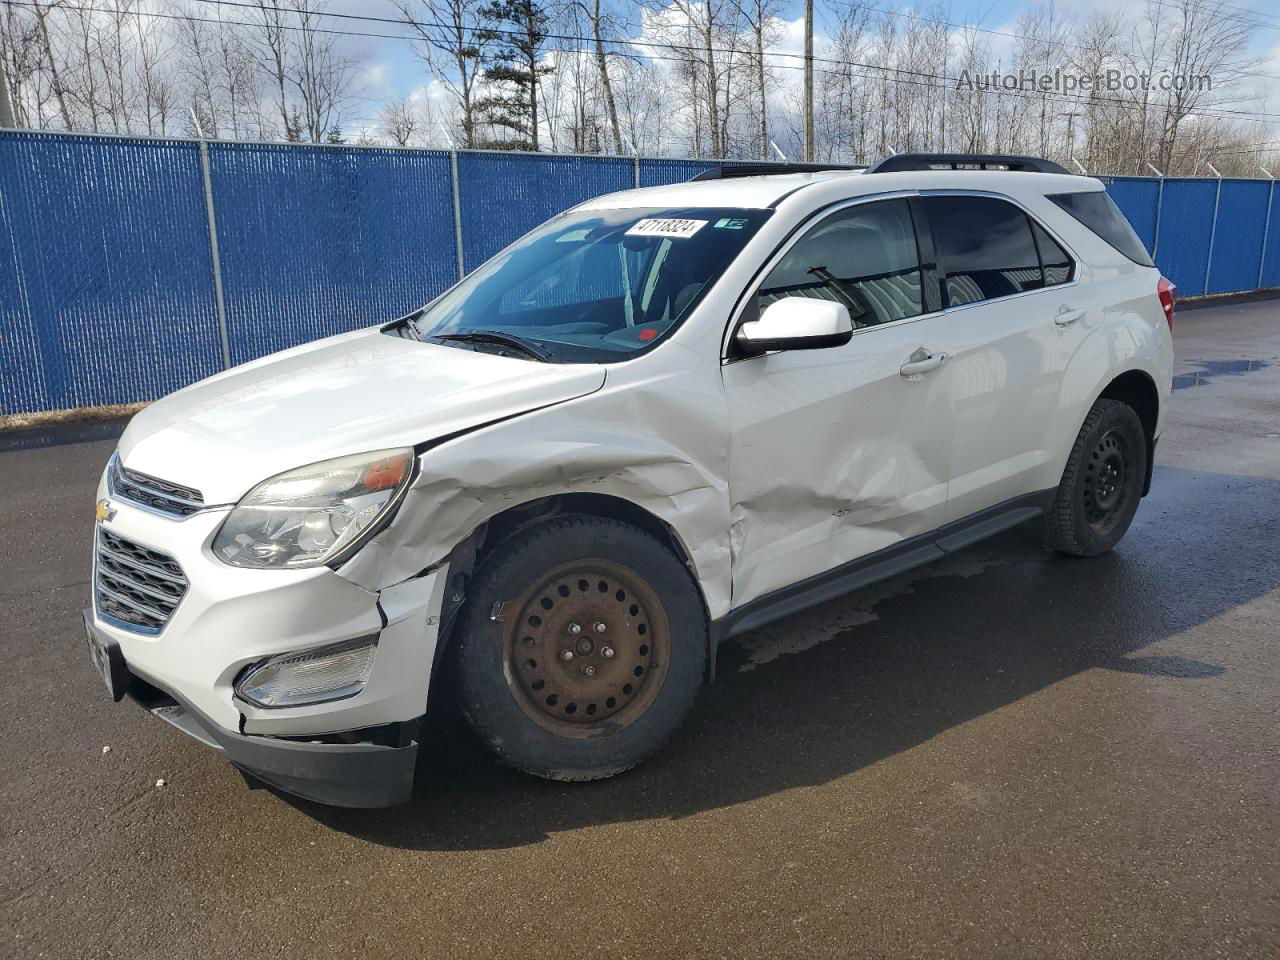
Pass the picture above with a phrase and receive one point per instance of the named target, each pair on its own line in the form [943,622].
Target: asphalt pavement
[1005,754]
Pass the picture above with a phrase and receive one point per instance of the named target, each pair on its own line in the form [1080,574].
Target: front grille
[136,585]
[171,498]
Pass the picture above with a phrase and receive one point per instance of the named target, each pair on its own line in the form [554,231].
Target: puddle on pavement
[1216,368]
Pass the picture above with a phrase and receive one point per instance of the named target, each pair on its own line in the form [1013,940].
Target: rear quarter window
[1097,211]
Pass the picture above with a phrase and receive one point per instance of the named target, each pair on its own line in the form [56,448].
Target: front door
[839,452]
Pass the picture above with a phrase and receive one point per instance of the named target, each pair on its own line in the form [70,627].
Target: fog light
[314,676]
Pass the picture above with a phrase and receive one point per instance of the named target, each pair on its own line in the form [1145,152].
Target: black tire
[494,689]
[1102,483]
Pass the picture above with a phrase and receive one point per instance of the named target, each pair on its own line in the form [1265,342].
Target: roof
[751,192]
[763,192]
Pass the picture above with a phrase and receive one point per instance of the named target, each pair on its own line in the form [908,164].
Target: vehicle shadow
[929,650]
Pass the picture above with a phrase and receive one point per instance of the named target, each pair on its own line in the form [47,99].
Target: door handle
[1066,316]
[918,364]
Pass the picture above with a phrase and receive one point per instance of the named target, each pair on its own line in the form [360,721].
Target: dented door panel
[834,455]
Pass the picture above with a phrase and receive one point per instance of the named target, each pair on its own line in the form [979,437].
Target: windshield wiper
[515,341]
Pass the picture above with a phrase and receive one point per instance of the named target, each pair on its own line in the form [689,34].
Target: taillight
[1168,297]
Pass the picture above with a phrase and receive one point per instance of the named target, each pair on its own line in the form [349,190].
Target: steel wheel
[1106,481]
[586,649]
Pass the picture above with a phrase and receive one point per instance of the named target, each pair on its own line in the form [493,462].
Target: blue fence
[1207,236]
[107,290]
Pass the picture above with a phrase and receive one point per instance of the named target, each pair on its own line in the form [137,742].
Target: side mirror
[796,323]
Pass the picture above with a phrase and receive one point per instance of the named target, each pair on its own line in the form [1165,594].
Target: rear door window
[985,248]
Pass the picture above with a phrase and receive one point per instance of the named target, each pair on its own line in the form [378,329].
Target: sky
[394,71]
[391,71]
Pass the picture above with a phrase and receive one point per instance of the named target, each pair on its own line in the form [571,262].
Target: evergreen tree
[515,32]
[293,127]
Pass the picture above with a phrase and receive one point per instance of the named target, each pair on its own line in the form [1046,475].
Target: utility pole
[808,81]
[1071,132]
[6,108]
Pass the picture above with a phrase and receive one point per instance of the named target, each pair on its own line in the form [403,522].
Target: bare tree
[759,16]
[156,93]
[842,107]
[449,44]
[272,52]
[602,65]
[239,83]
[51,63]
[642,104]
[20,57]
[321,73]
[399,121]
[702,39]
[1206,38]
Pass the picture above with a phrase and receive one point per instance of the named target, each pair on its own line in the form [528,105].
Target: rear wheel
[582,648]
[1102,483]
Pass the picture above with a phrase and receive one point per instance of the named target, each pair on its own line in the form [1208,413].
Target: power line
[1252,148]
[1222,112]
[1020,36]
[1247,21]
[881,73]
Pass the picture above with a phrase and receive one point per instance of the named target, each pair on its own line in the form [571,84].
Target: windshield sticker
[573,236]
[666,227]
[730,223]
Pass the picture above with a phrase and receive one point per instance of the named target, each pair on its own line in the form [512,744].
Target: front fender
[658,444]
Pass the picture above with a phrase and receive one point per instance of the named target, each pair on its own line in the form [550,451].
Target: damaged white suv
[660,419]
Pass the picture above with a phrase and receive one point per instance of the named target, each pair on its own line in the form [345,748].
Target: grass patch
[48,418]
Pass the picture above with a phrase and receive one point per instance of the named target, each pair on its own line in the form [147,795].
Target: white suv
[662,418]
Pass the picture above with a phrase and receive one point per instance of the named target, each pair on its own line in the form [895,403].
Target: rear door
[1014,315]
[837,453]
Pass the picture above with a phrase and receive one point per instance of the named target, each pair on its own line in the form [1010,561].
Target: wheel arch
[471,551]
[1137,390]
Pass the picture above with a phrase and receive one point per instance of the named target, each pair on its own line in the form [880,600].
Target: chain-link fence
[130,267]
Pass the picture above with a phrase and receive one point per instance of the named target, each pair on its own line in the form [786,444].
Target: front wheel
[582,648]
[1102,483]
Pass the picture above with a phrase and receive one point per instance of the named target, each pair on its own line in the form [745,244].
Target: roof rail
[766,169]
[961,161]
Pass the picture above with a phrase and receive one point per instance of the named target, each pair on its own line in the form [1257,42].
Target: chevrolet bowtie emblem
[105,511]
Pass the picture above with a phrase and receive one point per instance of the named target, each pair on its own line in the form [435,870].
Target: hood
[347,394]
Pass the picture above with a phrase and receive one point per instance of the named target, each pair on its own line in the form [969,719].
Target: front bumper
[230,618]
[361,773]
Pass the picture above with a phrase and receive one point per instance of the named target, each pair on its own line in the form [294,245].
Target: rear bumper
[361,773]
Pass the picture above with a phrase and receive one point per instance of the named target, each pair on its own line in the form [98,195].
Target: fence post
[1213,235]
[636,165]
[1155,243]
[1266,229]
[218,300]
[457,213]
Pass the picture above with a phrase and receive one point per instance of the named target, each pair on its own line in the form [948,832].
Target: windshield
[591,285]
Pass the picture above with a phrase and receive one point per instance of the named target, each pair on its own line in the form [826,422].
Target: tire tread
[488,583]
[1061,531]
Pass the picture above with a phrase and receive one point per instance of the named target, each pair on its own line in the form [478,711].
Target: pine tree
[515,31]
[293,127]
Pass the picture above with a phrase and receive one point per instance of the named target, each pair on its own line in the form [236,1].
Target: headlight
[316,676]
[317,514]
